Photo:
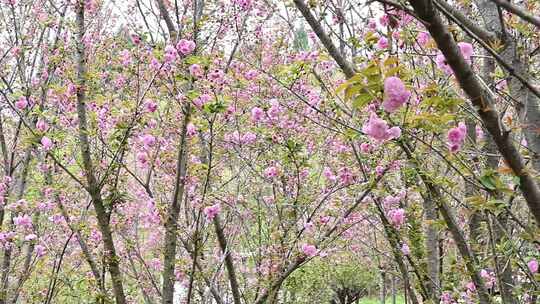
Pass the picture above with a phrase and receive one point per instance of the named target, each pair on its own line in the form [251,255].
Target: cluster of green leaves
[437,110]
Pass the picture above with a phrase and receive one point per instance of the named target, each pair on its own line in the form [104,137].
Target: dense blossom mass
[269,152]
[395,94]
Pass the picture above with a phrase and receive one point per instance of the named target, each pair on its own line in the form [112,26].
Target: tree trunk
[171,223]
[382,287]
[432,248]
[503,264]
[393,282]
[94,190]
[235,288]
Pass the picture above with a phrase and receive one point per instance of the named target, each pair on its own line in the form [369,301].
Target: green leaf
[214,107]
[488,181]
[351,91]
[372,70]
[361,100]
[342,87]
[516,180]
[393,71]
[390,61]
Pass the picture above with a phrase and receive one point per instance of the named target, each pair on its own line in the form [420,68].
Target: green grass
[399,300]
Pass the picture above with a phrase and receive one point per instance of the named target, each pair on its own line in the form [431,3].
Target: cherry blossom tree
[261,151]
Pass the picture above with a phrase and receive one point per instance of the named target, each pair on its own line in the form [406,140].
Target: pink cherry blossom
[248,138]
[125,57]
[456,137]
[196,71]
[42,125]
[256,114]
[268,199]
[23,221]
[200,101]
[244,4]
[233,137]
[275,110]
[372,24]
[170,53]
[325,219]
[40,250]
[329,174]
[422,38]
[395,94]
[379,170]
[397,217]
[489,278]
[470,286]
[191,130]
[251,74]
[391,201]
[502,85]
[446,298]
[376,127]
[185,46]
[155,64]
[533,266]
[142,158]
[366,148]
[212,211]
[394,132]
[309,250]
[378,130]
[148,140]
[151,106]
[346,176]
[466,50]
[21,103]
[271,172]
[479,133]
[46,143]
[30,237]
[136,39]
[384,19]
[216,76]
[382,43]
[405,249]
[155,263]
[440,60]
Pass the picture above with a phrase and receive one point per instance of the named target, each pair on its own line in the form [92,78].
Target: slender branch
[463,20]
[345,66]
[228,260]
[522,13]
[168,21]
[171,224]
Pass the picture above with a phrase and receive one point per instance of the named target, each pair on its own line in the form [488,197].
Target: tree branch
[345,66]
[463,20]
[522,13]
[168,21]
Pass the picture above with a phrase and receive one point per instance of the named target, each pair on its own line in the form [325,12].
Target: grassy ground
[399,300]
